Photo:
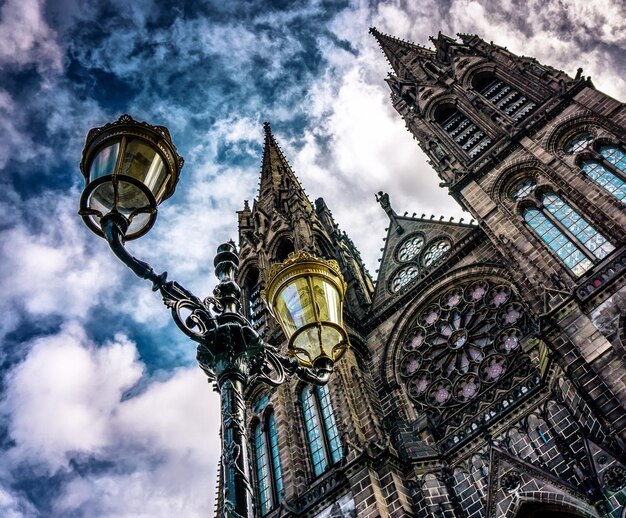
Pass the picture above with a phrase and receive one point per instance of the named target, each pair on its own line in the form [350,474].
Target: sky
[103,412]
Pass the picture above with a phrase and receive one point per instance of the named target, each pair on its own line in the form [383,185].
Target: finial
[246,206]
[266,127]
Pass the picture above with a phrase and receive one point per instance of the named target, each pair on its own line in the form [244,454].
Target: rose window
[403,277]
[435,252]
[410,248]
[461,343]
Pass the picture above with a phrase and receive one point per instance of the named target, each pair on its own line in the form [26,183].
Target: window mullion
[322,424]
[611,167]
[568,234]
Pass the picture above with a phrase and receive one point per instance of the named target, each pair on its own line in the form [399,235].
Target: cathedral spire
[400,53]
[277,177]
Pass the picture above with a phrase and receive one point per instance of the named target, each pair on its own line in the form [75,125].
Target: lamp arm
[278,368]
[192,315]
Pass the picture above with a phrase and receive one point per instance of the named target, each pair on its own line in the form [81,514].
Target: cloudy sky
[102,411]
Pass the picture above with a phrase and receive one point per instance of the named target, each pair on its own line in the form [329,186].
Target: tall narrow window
[254,305]
[504,97]
[572,238]
[268,472]
[262,470]
[321,428]
[466,134]
[272,435]
[608,171]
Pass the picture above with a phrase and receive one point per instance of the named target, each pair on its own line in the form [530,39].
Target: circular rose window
[435,252]
[403,277]
[461,343]
[410,248]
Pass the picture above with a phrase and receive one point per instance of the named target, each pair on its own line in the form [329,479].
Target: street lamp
[130,167]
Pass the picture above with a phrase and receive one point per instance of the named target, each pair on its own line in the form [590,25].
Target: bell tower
[538,158]
[282,220]
[533,154]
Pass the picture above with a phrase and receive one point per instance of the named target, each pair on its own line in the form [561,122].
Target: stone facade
[487,375]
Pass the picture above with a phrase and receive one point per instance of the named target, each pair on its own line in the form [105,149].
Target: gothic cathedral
[487,369]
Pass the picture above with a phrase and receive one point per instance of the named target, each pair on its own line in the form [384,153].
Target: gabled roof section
[401,54]
[425,234]
[277,177]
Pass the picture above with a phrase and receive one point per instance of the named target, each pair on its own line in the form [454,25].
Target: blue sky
[103,413]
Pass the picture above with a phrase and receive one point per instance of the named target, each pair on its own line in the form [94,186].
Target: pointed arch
[266,458]
[321,429]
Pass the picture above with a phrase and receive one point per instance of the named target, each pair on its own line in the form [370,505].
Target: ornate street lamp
[130,167]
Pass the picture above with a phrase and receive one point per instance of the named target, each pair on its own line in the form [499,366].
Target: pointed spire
[276,173]
[400,53]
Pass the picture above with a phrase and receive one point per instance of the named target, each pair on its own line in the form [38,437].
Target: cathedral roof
[413,244]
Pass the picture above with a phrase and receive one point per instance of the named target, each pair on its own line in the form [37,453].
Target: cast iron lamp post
[130,167]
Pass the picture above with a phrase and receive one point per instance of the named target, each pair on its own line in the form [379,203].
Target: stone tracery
[461,343]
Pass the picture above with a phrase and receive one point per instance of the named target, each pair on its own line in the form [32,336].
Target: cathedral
[487,370]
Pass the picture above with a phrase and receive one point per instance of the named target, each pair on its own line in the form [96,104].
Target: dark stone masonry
[487,373]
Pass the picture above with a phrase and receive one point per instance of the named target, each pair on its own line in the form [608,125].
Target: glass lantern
[305,294]
[129,167]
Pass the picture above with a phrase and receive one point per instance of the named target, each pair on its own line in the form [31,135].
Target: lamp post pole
[229,350]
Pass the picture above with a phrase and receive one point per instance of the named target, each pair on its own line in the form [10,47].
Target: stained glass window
[588,236]
[578,143]
[564,248]
[321,428]
[461,342]
[262,470]
[273,441]
[605,178]
[410,248]
[600,172]
[403,277]
[330,426]
[268,472]
[587,242]
[523,189]
[614,155]
[435,252]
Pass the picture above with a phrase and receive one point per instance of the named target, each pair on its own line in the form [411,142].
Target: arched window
[570,236]
[472,139]
[607,168]
[268,473]
[609,171]
[504,97]
[321,428]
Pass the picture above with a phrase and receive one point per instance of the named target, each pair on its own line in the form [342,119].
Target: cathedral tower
[520,403]
[487,374]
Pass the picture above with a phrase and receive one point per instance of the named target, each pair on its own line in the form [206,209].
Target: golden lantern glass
[129,167]
[306,295]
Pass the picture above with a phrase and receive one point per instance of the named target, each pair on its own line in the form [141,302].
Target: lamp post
[130,167]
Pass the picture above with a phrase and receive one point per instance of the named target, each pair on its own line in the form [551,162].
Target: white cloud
[65,401]
[48,267]
[63,396]
[25,36]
